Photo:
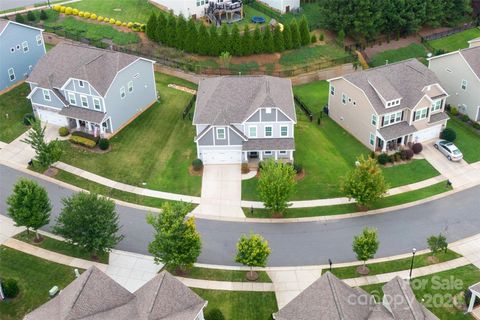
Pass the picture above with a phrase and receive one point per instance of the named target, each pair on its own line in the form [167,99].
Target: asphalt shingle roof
[269,144]
[82,114]
[3,24]
[396,130]
[476,287]
[472,56]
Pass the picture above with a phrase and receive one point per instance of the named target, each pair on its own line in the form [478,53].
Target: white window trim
[12,50]
[130,86]
[374,120]
[268,110]
[281,131]
[70,95]
[332,90]
[39,39]
[268,153]
[249,132]
[46,95]
[95,105]
[394,114]
[86,100]
[25,46]
[344,99]
[371,138]
[283,153]
[81,83]
[266,136]
[224,133]
[463,84]
[123,93]
[419,113]
[11,72]
[437,105]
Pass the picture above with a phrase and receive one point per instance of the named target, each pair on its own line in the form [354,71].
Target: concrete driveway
[221,191]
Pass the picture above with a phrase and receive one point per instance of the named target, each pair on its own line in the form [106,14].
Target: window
[464,84]
[252,132]
[122,92]
[372,139]
[136,75]
[96,104]
[283,153]
[344,98]
[421,114]
[11,74]
[268,153]
[332,90]
[284,131]
[448,70]
[71,99]
[39,39]
[268,131]
[130,86]
[18,47]
[392,118]
[46,95]
[84,101]
[25,46]
[354,102]
[374,120]
[81,83]
[350,100]
[220,133]
[437,105]
[268,110]
[12,49]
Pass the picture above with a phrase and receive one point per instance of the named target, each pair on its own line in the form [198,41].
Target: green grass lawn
[35,277]
[223,275]
[391,201]
[393,266]
[456,41]
[312,54]
[61,247]
[240,305]
[313,94]
[468,140]
[456,280]
[412,51]
[248,13]
[157,148]
[414,171]
[49,46]
[13,106]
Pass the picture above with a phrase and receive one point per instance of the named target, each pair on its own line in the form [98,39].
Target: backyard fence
[438,35]
[304,107]
[189,107]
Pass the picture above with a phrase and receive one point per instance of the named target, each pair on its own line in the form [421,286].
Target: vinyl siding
[37,98]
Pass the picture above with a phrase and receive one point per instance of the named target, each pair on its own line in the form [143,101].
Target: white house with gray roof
[388,107]
[244,118]
[91,89]
[459,74]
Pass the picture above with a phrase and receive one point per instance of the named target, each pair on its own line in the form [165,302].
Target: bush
[313,39]
[245,168]
[406,154]
[322,37]
[143,27]
[85,135]
[136,26]
[464,118]
[56,7]
[417,148]
[118,23]
[103,143]
[383,158]
[62,9]
[63,131]
[87,15]
[298,168]
[83,141]
[93,16]
[111,21]
[75,12]
[19,18]
[68,10]
[10,288]
[197,165]
[31,16]
[43,15]
[397,157]
[106,19]
[448,134]
[130,24]
[124,24]
[100,18]
[28,118]
[454,111]
[81,13]
[476,125]
[214,314]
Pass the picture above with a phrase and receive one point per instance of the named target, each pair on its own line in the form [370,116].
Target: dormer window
[81,84]
[393,103]
[268,110]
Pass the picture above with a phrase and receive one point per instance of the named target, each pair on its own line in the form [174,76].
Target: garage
[221,156]
[428,134]
[51,117]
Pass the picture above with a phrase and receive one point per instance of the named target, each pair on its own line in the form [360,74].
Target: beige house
[389,106]
[459,74]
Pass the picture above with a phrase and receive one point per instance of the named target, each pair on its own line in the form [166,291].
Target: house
[90,89]
[284,6]
[459,74]
[225,10]
[244,118]
[388,107]
[94,295]
[22,47]
[329,298]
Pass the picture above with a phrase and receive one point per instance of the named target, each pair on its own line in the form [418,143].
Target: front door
[82,124]
[287,9]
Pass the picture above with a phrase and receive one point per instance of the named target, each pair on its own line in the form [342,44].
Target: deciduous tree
[366,245]
[46,153]
[252,251]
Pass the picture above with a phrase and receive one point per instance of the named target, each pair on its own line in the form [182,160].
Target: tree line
[193,37]
[366,19]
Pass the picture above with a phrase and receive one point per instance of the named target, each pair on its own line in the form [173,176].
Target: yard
[456,41]
[312,54]
[468,141]
[13,106]
[154,151]
[412,51]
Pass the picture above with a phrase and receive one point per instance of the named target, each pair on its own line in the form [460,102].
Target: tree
[225,58]
[366,183]
[151,26]
[214,47]
[182,30]
[437,243]
[252,251]
[235,45]
[257,41]
[287,37]
[203,40]
[304,32]
[89,221]
[276,184]
[365,246]
[19,18]
[160,30]
[247,48]
[171,31]
[176,242]
[46,152]
[278,40]
[43,15]
[224,39]
[29,205]
[31,16]
[191,43]
[268,45]
[296,41]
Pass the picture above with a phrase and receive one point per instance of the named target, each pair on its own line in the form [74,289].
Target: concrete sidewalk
[32,7]
[227,285]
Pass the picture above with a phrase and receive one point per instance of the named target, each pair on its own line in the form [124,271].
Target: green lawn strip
[414,50]
[222,275]
[311,11]
[442,286]
[386,202]
[456,41]
[411,172]
[155,151]
[248,13]
[35,277]
[468,140]
[310,54]
[49,46]
[393,266]
[240,305]
[313,94]
[61,247]
[13,106]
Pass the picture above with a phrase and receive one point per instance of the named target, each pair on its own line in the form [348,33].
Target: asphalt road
[297,244]
[13,4]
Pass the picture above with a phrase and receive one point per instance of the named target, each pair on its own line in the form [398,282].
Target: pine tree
[295,34]
[203,40]
[278,40]
[171,31]
[224,39]
[191,42]
[257,42]
[268,41]
[247,47]
[214,45]
[304,32]
[160,31]
[181,32]
[151,26]
[234,44]
[287,37]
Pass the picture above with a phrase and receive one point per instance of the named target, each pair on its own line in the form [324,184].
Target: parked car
[449,150]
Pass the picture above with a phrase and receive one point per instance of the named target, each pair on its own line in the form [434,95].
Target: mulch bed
[92,150]
[195,173]
[51,172]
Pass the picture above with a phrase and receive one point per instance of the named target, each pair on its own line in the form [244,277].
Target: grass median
[222,275]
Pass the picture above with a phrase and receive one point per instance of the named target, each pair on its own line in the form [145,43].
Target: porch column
[291,155]
[78,123]
[384,147]
[245,156]
[276,155]
[261,155]
[472,302]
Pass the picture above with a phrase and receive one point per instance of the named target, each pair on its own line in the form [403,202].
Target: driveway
[221,191]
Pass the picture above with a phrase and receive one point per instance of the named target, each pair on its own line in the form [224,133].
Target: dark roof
[475,287]
[269,144]
[396,130]
[437,117]
[231,99]
[83,114]
[472,56]
[404,80]
[66,60]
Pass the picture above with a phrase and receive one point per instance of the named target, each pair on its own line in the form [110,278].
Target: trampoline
[257,19]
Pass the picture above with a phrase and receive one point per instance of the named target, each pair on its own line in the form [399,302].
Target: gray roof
[437,117]
[472,56]
[475,287]
[231,99]
[66,60]
[396,130]
[83,114]
[3,24]
[269,144]
[404,80]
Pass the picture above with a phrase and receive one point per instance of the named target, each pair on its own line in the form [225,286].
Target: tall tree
[235,46]
[224,39]
[287,36]
[29,205]
[176,242]
[247,47]
[278,40]
[296,42]
[268,45]
[191,43]
[252,251]
[214,47]
[258,46]
[436,13]
[171,30]
[151,26]
[304,32]
[161,30]
[365,246]
[182,30]
[46,153]
[203,40]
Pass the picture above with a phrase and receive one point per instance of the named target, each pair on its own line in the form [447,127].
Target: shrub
[197,164]
[106,19]
[136,26]
[56,7]
[28,118]
[397,156]
[103,143]
[124,24]
[476,125]
[43,15]
[454,111]
[19,18]
[245,168]
[63,131]
[100,18]
[406,154]
[298,168]
[417,148]
[313,39]
[93,16]
[10,288]
[68,10]
[62,9]
[81,13]
[87,14]
[118,23]
[85,135]
[448,134]
[464,118]
[111,21]
[83,141]
[383,158]
[75,12]
[143,27]
[31,16]
[322,37]
[214,314]
[130,24]
[260,165]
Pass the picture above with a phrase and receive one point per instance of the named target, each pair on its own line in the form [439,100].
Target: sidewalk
[33,8]
[227,285]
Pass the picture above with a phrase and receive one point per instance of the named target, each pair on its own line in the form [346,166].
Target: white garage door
[428,134]
[222,156]
[51,117]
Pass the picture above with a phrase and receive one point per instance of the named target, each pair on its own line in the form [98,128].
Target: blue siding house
[90,89]
[21,48]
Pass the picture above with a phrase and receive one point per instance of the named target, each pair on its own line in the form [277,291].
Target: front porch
[86,120]
[393,145]
[393,138]
[253,158]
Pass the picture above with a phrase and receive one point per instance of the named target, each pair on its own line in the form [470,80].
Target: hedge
[83,141]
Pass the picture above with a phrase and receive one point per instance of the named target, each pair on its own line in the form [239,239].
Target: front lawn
[154,151]
[412,51]
[35,277]
[13,106]
[468,140]
[456,41]
[313,94]
[414,171]
[240,305]
[222,275]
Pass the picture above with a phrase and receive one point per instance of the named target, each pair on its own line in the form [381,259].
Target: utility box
[53,292]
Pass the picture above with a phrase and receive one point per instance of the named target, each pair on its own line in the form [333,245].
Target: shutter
[414,114]
[403,113]
[428,110]
[383,120]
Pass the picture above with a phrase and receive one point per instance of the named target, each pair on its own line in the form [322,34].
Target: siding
[207,139]
[37,98]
